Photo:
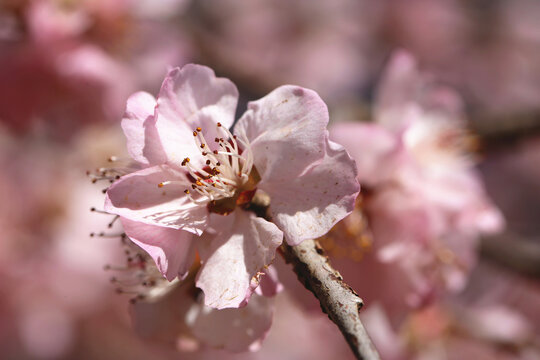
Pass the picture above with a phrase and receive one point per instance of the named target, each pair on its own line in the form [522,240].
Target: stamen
[110,225]
[225,170]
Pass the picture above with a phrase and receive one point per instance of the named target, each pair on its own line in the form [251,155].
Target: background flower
[68,67]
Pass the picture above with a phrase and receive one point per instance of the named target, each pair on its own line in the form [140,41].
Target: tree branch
[514,252]
[337,299]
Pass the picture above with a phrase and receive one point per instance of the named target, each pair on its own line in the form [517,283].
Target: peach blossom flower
[198,179]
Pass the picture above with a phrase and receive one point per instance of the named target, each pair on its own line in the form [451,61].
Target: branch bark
[337,299]
[517,253]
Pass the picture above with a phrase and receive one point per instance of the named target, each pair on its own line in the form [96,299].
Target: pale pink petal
[233,257]
[287,132]
[192,97]
[376,150]
[307,207]
[385,338]
[138,197]
[269,284]
[143,142]
[398,89]
[163,319]
[171,249]
[497,323]
[49,22]
[232,329]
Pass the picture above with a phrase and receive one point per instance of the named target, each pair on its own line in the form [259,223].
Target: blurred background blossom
[438,102]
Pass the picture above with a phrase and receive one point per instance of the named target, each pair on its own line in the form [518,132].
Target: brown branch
[337,299]
[514,252]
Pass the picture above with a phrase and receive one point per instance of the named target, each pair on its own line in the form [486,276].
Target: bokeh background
[68,66]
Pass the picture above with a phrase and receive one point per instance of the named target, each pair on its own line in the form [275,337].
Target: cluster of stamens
[107,174]
[226,169]
[138,276]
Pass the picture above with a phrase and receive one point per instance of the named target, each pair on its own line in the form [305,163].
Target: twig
[513,251]
[337,299]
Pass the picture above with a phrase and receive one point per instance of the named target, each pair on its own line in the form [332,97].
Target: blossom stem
[337,299]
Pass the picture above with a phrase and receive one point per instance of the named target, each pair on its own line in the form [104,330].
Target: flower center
[228,178]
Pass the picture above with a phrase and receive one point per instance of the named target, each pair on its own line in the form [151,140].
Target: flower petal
[189,98]
[399,88]
[308,206]
[269,284]
[232,329]
[162,320]
[233,257]
[171,249]
[143,141]
[377,151]
[287,132]
[138,197]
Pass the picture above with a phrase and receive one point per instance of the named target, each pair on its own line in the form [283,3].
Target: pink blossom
[495,318]
[70,64]
[52,273]
[491,55]
[198,179]
[424,201]
[180,317]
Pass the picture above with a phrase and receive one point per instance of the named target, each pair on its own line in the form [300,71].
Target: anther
[199,129]
[194,133]
[185,161]
[202,146]
[216,140]
[219,124]
[110,225]
[186,191]
[208,162]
